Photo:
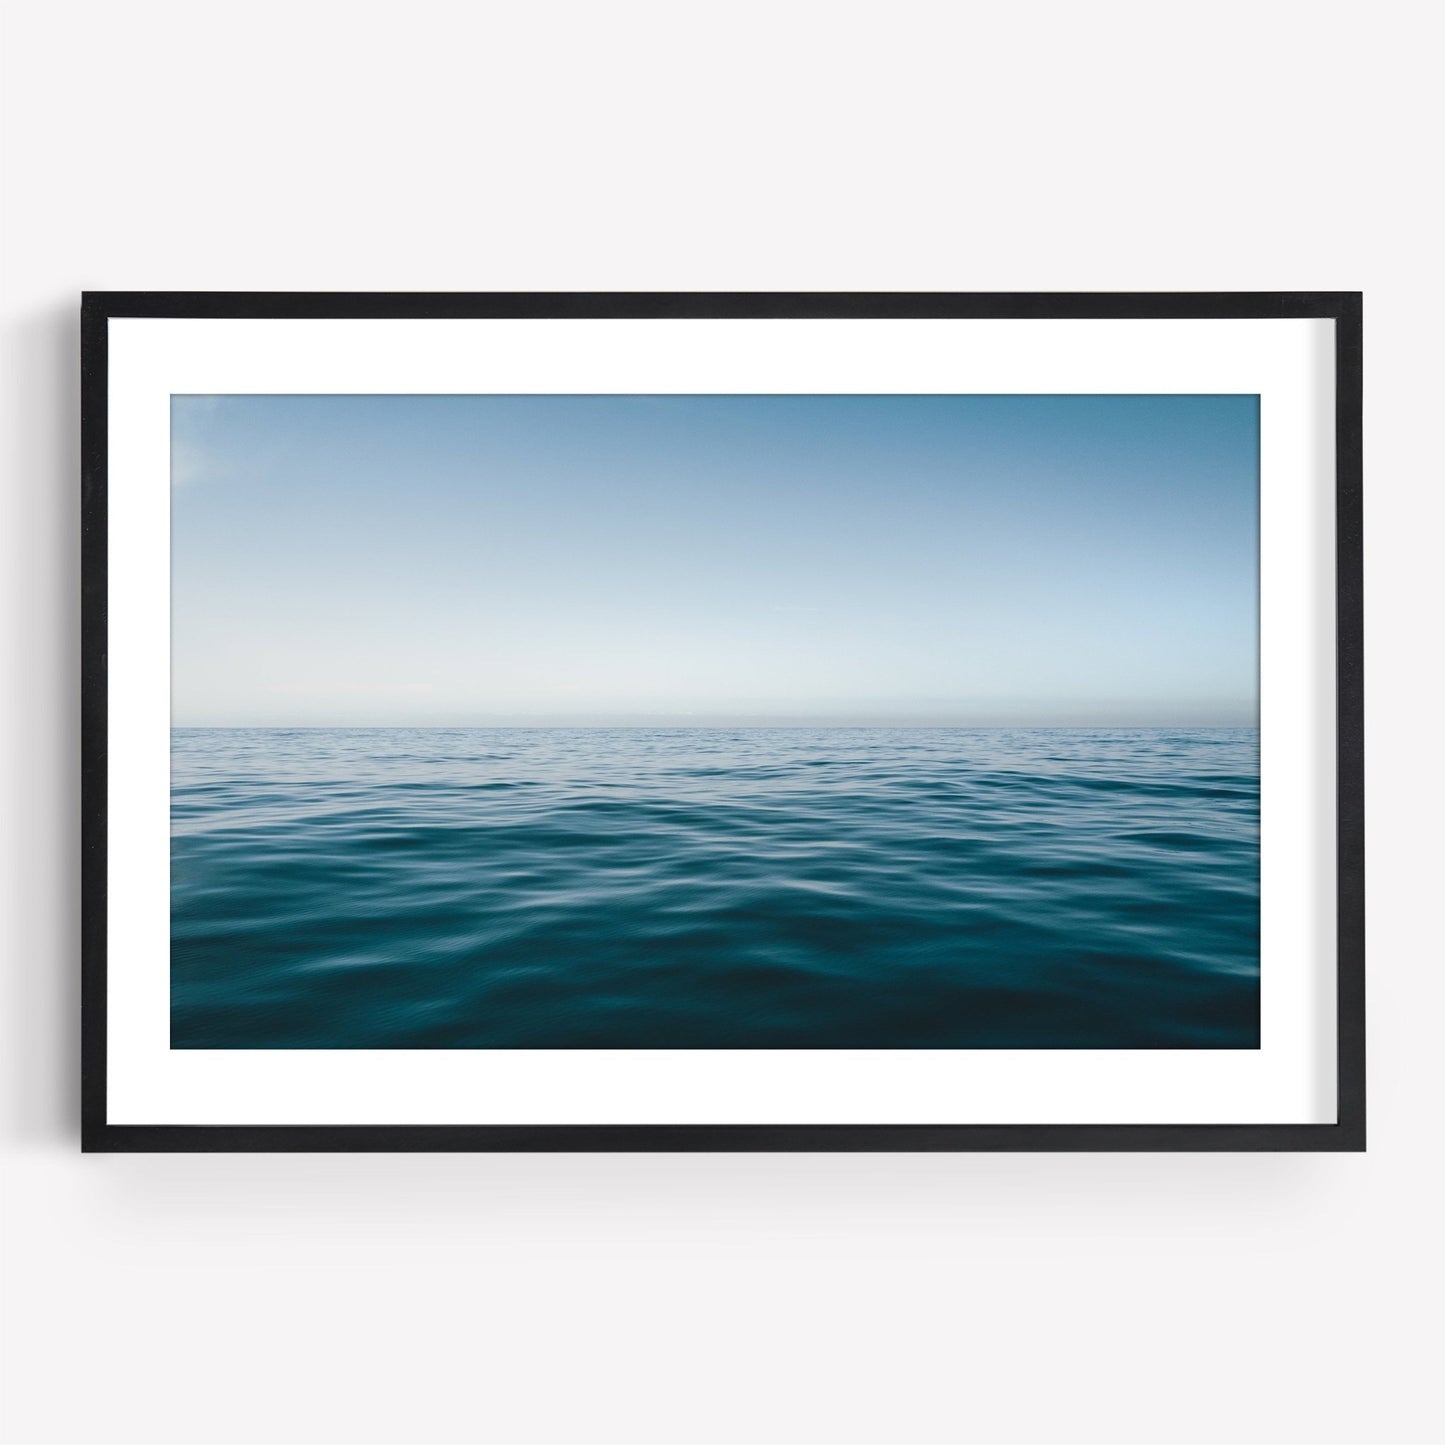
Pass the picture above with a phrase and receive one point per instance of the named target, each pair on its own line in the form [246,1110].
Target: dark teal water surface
[692,888]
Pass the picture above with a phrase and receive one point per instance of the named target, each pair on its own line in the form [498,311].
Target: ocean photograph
[715,722]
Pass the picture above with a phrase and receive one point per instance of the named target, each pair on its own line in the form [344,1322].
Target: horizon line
[717,727]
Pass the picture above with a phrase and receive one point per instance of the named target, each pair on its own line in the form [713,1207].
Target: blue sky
[420,560]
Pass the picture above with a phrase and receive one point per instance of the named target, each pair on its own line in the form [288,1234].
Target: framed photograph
[722,722]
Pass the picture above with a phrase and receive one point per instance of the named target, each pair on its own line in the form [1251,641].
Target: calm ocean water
[679,888]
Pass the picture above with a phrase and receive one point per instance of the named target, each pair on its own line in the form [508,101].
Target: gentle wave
[677,888]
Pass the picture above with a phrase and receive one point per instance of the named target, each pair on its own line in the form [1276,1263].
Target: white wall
[297,145]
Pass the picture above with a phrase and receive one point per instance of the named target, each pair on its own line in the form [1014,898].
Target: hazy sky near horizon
[453,560]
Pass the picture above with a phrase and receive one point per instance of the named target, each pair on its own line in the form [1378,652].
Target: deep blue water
[678,888]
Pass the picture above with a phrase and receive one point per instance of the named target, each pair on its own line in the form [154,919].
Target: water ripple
[785,888]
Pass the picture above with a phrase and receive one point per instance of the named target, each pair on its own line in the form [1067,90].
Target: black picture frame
[1343,308]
